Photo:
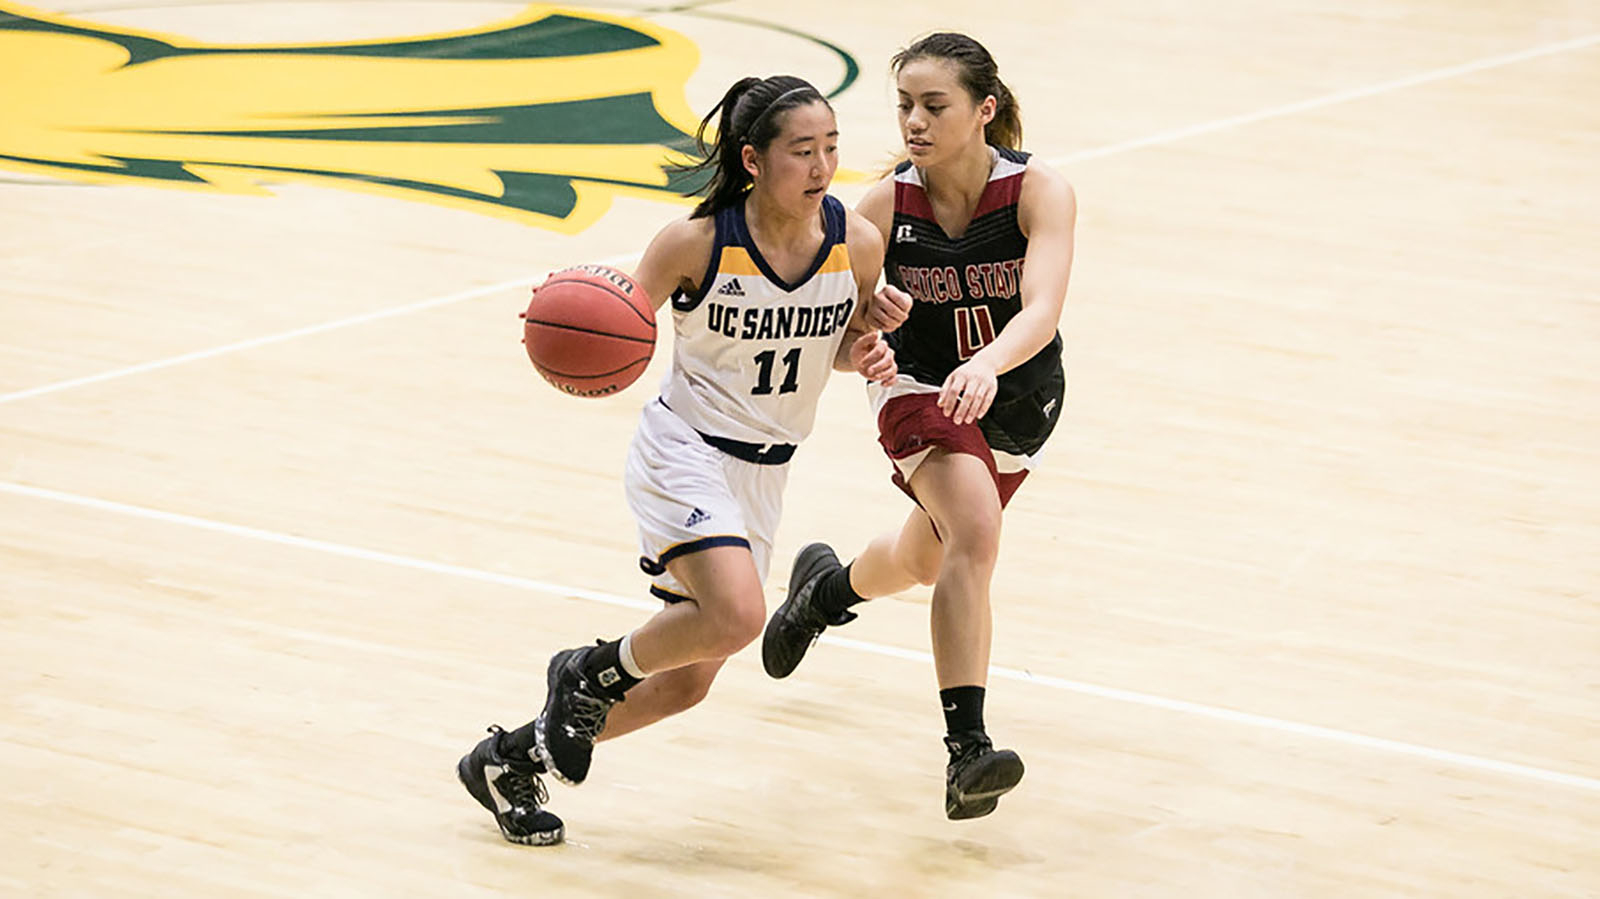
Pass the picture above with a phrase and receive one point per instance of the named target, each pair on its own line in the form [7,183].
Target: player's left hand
[873,358]
[969,391]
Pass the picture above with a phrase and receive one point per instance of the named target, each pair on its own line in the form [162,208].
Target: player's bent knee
[975,541]
[738,625]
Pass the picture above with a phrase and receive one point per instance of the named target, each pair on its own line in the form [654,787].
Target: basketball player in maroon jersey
[979,243]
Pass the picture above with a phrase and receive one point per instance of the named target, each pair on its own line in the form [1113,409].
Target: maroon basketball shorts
[1009,438]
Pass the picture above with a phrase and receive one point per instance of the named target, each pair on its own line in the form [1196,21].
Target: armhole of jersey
[687,301]
[1020,157]
[836,221]
[833,220]
[1005,182]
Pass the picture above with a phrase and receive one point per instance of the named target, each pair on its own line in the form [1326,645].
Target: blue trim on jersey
[833,219]
[668,595]
[722,227]
[659,566]
[754,453]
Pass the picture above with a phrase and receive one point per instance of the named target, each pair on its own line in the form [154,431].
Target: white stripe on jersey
[1000,167]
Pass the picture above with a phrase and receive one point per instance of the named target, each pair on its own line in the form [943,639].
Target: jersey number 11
[791,371]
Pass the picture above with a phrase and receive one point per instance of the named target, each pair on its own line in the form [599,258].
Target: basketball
[589,330]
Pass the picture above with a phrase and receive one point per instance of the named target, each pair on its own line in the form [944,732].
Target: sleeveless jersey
[965,289]
[753,352]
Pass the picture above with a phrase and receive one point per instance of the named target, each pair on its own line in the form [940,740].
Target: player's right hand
[888,308]
[873,358]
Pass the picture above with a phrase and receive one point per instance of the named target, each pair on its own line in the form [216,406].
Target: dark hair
[749,113]
[979,74]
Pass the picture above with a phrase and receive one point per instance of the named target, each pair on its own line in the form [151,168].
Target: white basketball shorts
[688,496]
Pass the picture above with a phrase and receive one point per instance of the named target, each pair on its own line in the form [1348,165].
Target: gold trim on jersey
[838,260]
[737,261]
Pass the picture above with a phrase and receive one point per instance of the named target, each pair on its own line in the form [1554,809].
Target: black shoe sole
[805,568]
[980,794]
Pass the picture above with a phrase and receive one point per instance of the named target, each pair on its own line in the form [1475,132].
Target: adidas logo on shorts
[695,517]
[731,289]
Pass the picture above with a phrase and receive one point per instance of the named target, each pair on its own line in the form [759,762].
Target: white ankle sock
[625,654]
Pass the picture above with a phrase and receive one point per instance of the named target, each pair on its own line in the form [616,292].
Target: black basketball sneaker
[573,717]
[510,788]
[798,622]
[977,776]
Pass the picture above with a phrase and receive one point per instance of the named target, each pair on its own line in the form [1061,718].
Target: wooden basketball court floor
[1304,602]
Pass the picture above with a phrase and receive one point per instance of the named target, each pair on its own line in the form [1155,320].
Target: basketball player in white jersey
[766,279]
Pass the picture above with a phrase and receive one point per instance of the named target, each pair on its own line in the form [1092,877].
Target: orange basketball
[589,330]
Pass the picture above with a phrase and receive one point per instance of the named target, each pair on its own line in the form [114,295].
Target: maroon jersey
[967,288]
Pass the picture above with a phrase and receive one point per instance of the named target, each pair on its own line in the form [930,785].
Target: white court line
[1164,137]
[254,342]
[1445,756]
[1384,87]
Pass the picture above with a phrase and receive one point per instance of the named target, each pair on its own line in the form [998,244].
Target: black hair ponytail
[749,113]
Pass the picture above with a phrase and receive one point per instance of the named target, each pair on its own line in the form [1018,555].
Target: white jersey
[753,352]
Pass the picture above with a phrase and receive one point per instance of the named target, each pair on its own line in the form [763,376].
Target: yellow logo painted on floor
[543,118]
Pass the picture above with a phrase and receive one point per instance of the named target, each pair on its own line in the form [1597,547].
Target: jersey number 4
[974,330]
[791,371]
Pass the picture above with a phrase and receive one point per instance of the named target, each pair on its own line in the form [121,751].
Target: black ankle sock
[518,744]
[963,709]
[604,672]
[834,594]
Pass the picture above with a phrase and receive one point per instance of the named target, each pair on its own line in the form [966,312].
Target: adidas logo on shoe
[695,517]
[731,289]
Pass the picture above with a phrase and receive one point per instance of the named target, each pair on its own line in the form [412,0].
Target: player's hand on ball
[969,391]
[888,308]
[873,358]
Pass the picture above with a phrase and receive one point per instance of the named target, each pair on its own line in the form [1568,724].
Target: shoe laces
[588,713]
[521,782]
[524,789]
